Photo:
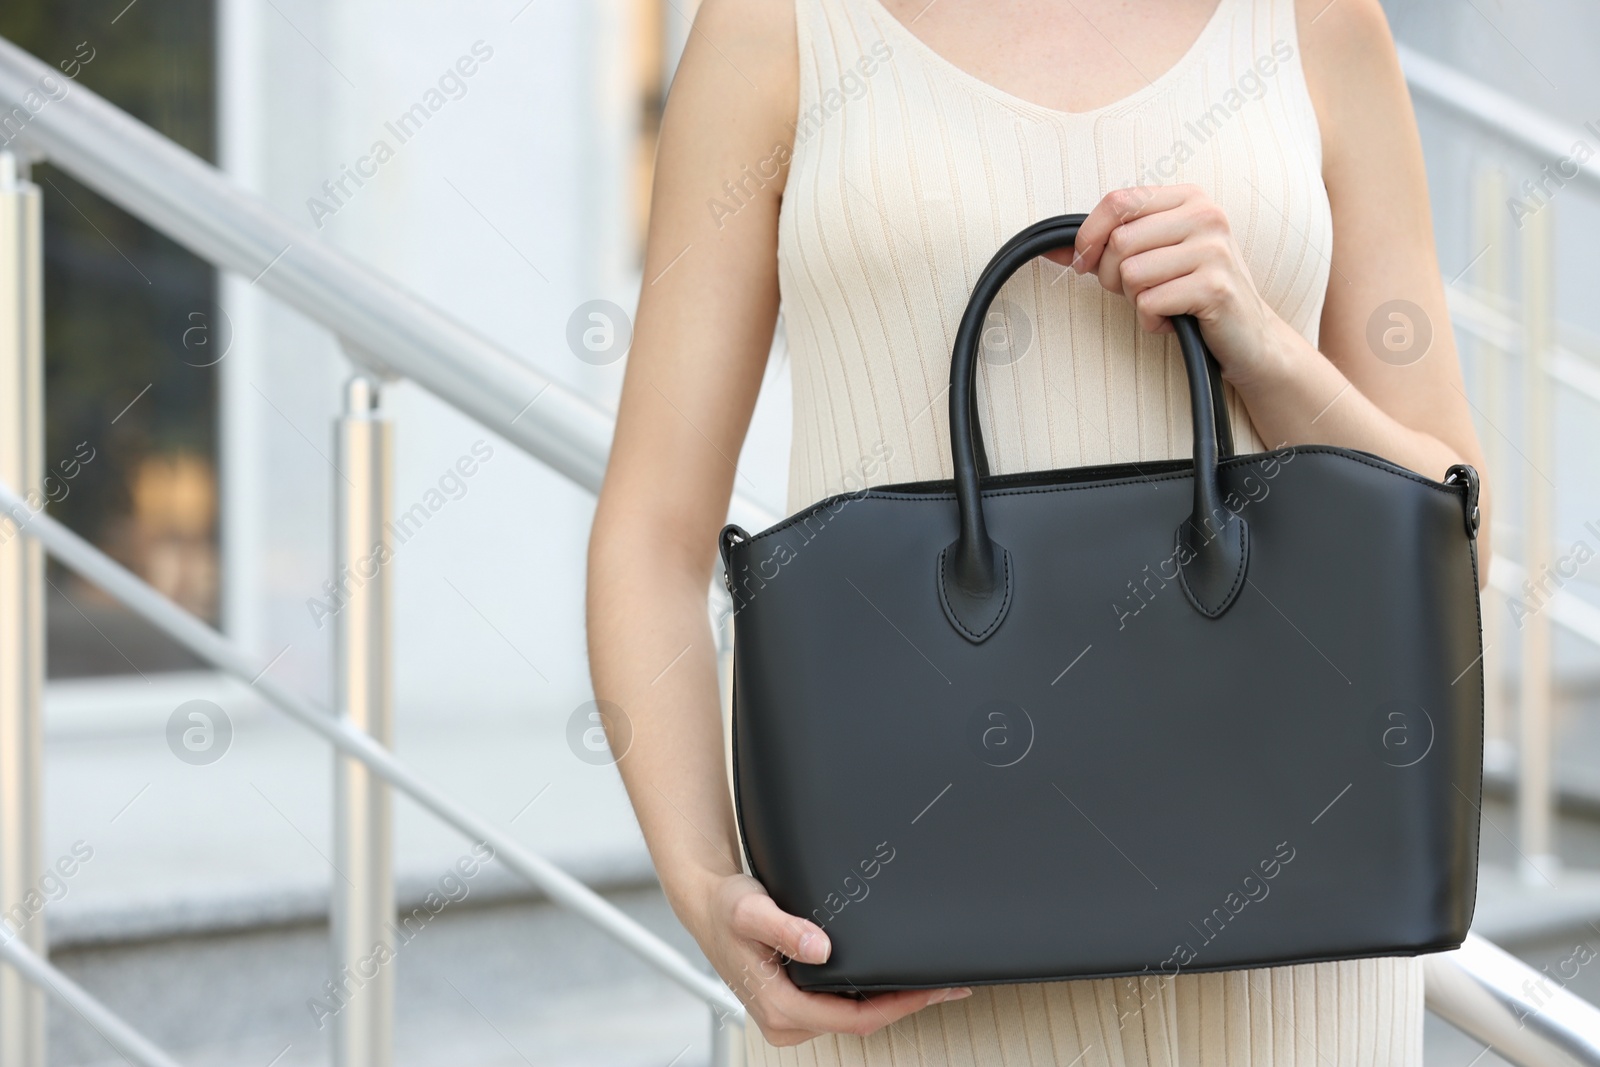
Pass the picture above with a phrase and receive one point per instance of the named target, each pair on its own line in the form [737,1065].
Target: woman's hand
[747,937]
[1169,249]
[686,402]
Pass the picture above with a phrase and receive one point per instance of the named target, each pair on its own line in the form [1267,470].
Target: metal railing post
[122,585]
[727,1040]
[1535,785]
[1528,1017]
[22,1019]
[1489,209]
[727,1031]
[363,888]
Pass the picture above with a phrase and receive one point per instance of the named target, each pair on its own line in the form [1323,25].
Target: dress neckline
[1155,85]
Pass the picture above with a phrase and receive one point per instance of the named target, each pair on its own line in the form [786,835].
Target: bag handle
[976,573]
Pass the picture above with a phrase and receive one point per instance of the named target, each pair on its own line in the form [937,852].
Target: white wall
[525,176]
[507,209]
[1541,54]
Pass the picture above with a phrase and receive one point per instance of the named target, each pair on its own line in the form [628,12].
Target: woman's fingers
[757,918]
[1153,268]
[786,1014]
[880,1009]
[1170,250]
[1119,207]
[1145,237]
[1159,303]
[791,1011]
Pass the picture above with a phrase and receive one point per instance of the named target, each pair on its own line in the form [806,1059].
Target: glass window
[131,339]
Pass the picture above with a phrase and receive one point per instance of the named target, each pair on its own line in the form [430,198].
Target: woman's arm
[706,314]
[1171,250]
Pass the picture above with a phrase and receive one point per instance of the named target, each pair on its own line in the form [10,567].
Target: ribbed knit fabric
[907,174]
[1361,1013]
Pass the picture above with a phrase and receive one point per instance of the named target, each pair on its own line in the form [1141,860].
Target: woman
[1254,163]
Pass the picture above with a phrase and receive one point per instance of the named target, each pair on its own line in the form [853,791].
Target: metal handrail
[1521,1013]
[1484,322]
[392,330]
[1551,144]
[1526,1016]
[1506,118]
[1479,988]
[134,1046]
[193,203]
[208,644]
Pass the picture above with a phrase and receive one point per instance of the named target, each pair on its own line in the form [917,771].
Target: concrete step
[201,916]
[510,984]
[504,985]
[181,848]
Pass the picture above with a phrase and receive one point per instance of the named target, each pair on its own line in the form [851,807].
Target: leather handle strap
[1224,424]
[975,572]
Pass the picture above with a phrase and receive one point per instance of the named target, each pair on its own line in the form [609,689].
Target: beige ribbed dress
[907,174]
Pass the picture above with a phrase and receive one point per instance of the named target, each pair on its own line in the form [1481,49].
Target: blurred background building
[194,413]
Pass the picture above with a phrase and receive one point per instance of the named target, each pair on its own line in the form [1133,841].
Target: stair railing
[390,332]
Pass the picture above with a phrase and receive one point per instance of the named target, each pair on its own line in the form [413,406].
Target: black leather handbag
[1137,719]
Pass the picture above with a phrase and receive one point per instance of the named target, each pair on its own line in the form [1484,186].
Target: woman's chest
[1072,57]
[923,194]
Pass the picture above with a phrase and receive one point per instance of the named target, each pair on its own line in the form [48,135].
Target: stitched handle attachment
[976,573]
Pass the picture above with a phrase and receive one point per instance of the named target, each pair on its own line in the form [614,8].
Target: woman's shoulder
[1344,45]
[749,24]
[1352,71]
[758,39]
[755,42]
[1337,18]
